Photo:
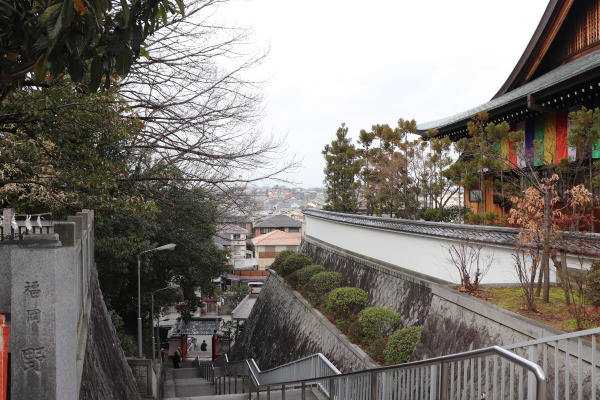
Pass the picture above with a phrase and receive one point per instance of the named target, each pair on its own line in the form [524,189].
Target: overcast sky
[366,63]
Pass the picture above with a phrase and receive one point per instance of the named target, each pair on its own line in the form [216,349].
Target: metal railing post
[268,392]
[282,392]
[443,385]
[373,385]
[331,389]
[303,391]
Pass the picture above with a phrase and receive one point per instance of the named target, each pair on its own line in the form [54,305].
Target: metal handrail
[440,386]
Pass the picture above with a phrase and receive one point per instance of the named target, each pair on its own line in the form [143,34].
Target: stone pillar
[7,214]
[3,357]
[44,313]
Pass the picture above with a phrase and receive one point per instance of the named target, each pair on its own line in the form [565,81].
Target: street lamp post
[169,246]
[152,316]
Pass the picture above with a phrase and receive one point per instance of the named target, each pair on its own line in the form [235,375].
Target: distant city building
[278,222]
[267,246]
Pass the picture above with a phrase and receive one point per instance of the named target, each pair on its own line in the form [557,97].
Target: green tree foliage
[62,148]
[378,322]
[238,293]
[439,185]
[126,340]
[99,36]
[401,345]
[584,135]
[295,262]
[186,218]
[341,170]
[346,301]
[279,259]
[324,282]
[308,272]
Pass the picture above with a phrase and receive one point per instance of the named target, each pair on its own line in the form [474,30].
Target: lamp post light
[152,319]
[169,246]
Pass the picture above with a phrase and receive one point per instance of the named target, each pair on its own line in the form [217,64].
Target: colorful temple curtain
[550,132]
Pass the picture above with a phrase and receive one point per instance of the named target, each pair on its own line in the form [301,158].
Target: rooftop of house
[196,326]
[278,221]
[230,228]
[277,237]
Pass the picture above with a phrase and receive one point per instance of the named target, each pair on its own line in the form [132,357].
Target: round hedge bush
[355,333]
[308,272]
[294,262]
[279,259]
[347,301]
[292,279]
[324,282]
[377,348]
[401,345]
[378,322]
[593,287]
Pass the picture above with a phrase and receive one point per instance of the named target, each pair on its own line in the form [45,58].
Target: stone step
[290,394]
[185,373]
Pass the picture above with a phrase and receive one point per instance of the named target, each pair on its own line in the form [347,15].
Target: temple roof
[518,96]
[546,79]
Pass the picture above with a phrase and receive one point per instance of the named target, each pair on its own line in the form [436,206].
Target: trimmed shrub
[355,332]
[308,272]
[347,300]
[294,262]
[376,349]
[593,286]
[279,259]
[401,345]
[324,282]
[378,322]
[292,279]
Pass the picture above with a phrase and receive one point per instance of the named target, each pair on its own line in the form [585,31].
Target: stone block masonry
[284,327]
[58,322]
[452,321]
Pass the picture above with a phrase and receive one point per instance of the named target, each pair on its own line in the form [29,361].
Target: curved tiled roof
[563,73]
[586,244]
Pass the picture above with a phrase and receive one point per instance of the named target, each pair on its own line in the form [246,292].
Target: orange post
[3,357]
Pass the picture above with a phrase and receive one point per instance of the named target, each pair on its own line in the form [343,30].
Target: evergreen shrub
[279,259]
[593,285]
[378,322]
[292,279]
[308,272]
[376,349]
[355,332]
[347,301]
[401,345]
[324,282]
[294,262]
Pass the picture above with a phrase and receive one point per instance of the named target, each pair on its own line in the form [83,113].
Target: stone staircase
[185,384]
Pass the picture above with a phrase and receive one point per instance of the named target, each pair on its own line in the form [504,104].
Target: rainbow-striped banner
[550,132]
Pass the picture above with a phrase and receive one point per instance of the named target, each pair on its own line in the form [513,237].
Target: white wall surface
[420,253]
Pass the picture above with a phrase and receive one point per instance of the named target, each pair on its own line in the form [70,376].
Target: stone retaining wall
[284,327]
[452,321]
[106,374]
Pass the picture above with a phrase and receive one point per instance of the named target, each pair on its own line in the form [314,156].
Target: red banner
[3,357]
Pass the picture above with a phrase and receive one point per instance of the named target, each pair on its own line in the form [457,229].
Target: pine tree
[341,170]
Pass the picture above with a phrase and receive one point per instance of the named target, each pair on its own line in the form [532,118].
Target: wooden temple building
[558,72]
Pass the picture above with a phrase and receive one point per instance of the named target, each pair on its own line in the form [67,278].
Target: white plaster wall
[420,253]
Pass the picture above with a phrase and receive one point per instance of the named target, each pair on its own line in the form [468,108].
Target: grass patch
[556,313]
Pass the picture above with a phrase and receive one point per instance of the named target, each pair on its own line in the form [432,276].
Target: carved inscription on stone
[32,289]
[33,316]
[33,358]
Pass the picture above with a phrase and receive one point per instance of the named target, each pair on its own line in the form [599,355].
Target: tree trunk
[546,245]
[561,270]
